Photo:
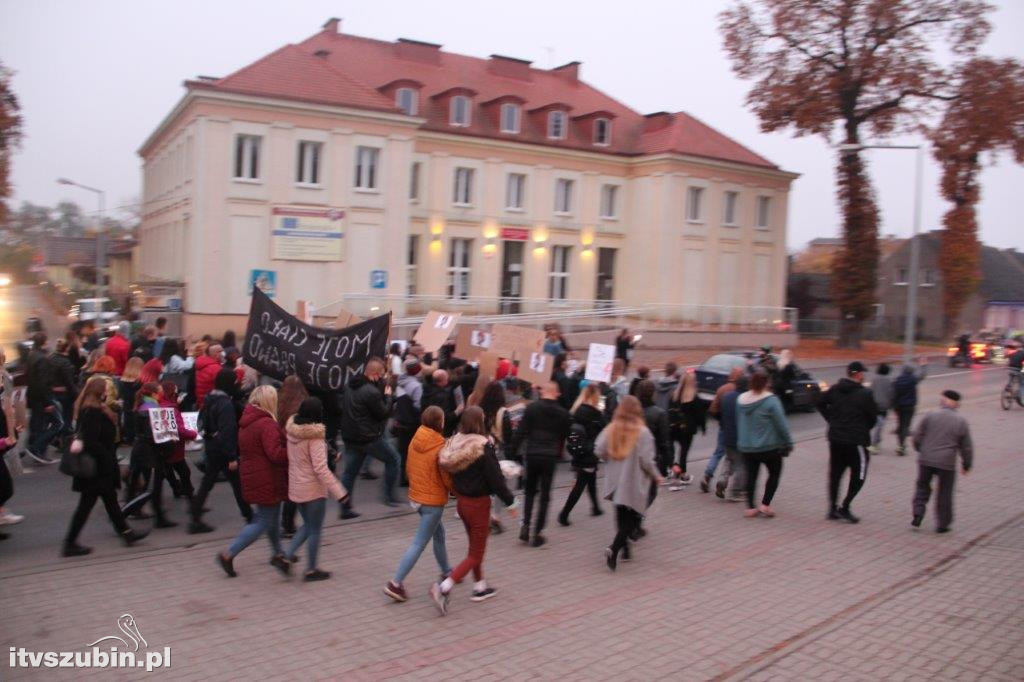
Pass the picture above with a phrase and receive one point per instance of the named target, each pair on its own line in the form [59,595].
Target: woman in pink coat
[310,481]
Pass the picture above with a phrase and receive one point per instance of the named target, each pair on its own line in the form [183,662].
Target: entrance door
[605,277]
[511,277]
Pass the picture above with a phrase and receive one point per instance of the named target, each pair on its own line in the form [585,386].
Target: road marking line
[965,371]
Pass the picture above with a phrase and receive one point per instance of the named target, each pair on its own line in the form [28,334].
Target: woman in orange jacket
[428,494]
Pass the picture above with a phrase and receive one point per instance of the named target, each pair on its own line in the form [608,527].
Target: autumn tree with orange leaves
[985,117]
[852,67]
[10,136]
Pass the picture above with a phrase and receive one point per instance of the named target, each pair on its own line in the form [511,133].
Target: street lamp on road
[99,230]
[910,330]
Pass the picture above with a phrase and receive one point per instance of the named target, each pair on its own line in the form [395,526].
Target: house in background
[70,263]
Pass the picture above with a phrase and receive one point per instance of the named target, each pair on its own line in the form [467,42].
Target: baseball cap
[855,367]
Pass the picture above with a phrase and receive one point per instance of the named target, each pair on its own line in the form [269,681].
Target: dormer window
[459,111]
[556,125]
[602,131]
[509,118]
[407,100]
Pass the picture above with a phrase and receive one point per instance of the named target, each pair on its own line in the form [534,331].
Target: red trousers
[475,513]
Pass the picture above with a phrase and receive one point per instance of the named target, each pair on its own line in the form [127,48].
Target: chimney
[510,67]
[657,121]
[418,51]
[570,71]
[332,25]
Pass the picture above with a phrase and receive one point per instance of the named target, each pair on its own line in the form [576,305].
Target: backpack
[678,419]
[577,444]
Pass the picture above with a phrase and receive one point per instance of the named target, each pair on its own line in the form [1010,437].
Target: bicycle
[1011,392]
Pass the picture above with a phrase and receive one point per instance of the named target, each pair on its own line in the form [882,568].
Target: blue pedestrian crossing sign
[378,279]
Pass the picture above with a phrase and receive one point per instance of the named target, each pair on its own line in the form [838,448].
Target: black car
[801,393]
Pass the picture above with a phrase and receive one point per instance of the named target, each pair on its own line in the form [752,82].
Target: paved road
[17,303]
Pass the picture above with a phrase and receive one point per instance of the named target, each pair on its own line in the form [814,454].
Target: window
[411,261]
[602,131]
[407,100]
[414,181]
[247,157]
[901,277]
[927,278]
[509,118]
[458,268]
[559,288]
[308,170]
[459,111]
[366,167]
[764,207]
[729,216]
[563,196]
[608,196]
[556,125]
[694,199]
[463,194]
[515,191]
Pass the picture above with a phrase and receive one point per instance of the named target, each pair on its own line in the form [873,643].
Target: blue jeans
[265,518]
[43,426]
[876,436]
[380,449]
[312,514]
[430,527]
[716,456]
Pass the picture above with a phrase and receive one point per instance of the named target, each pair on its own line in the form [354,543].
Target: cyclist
[1016,364]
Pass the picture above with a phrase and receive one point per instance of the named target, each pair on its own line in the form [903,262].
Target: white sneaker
[873,449]
[9,519]
[676,487]
[686,479]
[41,460]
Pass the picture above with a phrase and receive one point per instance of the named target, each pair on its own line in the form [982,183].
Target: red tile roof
[345,70]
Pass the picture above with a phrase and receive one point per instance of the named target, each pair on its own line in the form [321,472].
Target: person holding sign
[179,476]
[155,432]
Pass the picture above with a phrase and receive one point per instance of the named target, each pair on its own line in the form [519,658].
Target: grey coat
[628,481]
[940,436]
[881,388]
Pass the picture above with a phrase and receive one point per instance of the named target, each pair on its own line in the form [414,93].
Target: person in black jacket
[65,382]
[438,391]
[850,410]
[364,412]
[657,424]
[587,422]
[220,434]
[542,432]
[469,456]
[45,420]
[568,385]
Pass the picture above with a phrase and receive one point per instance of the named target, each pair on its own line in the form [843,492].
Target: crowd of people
[442,431]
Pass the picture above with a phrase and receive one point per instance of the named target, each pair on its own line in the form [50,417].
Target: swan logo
[123,652]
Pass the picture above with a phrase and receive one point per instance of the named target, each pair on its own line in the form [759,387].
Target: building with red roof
[380,170]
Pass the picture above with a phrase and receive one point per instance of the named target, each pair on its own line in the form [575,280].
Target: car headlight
[823,385]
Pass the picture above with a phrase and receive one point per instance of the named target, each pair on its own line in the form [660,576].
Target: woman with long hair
[291,395]
[587,422]
[469,457]
[148,459]
[687,414]
[129,384]
[627,448]
[763,438]
[8,439]
[263,466]
[179,476]
[97,427]
[493,403]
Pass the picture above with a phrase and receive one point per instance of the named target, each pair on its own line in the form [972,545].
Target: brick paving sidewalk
[709,594]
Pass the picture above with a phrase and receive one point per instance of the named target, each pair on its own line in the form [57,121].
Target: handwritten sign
[599,362]
[470,343]
[436,329]
[191,420]
[163,424]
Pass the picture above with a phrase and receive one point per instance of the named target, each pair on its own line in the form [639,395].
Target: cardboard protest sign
[163,424]
[191,420]
[346,319]
[535,367]
[277,344]
[506,339]
[436,329]
[470,343]
[304,311]
[599,362]
[488,364]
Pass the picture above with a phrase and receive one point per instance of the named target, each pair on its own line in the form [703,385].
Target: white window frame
[515,188]
[562,125]
[453,106]
[414,181]
[901,277]
[927,277]
[249,147]
[609,201]
[727,220]
[412,258]
[563,196]
[607,132]
[695,195]
[414,101]
[309,163]
[558,279]
[462,186]
[366,177]
[460,268]
[514,109]
[763,212]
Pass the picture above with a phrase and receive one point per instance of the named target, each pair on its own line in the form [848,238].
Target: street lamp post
[99,230]
[910,330]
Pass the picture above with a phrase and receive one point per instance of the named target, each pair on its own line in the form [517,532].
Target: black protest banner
[278,344]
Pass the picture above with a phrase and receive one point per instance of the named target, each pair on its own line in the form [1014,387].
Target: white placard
[191,420]
[599,362]
[163,424]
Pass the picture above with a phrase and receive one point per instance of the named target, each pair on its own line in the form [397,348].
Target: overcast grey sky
[96,77]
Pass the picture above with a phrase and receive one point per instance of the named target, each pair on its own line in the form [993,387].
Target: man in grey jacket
[939,438]
[881,389]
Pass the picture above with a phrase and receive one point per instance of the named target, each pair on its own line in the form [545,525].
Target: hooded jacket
[904,389]
[428,483]
[728,419]
[443,397]
[470,460]
[544,428]
[118,348]
[263,465]
[40,375]
[408,402]
[850,411]
[663,390]
[364,412]
[761,423]
[220,425]
[592,421]
[206,374]
[881,389]
[308,476]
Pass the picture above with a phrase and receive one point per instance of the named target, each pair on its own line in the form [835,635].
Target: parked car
[102,311]
[802,393]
